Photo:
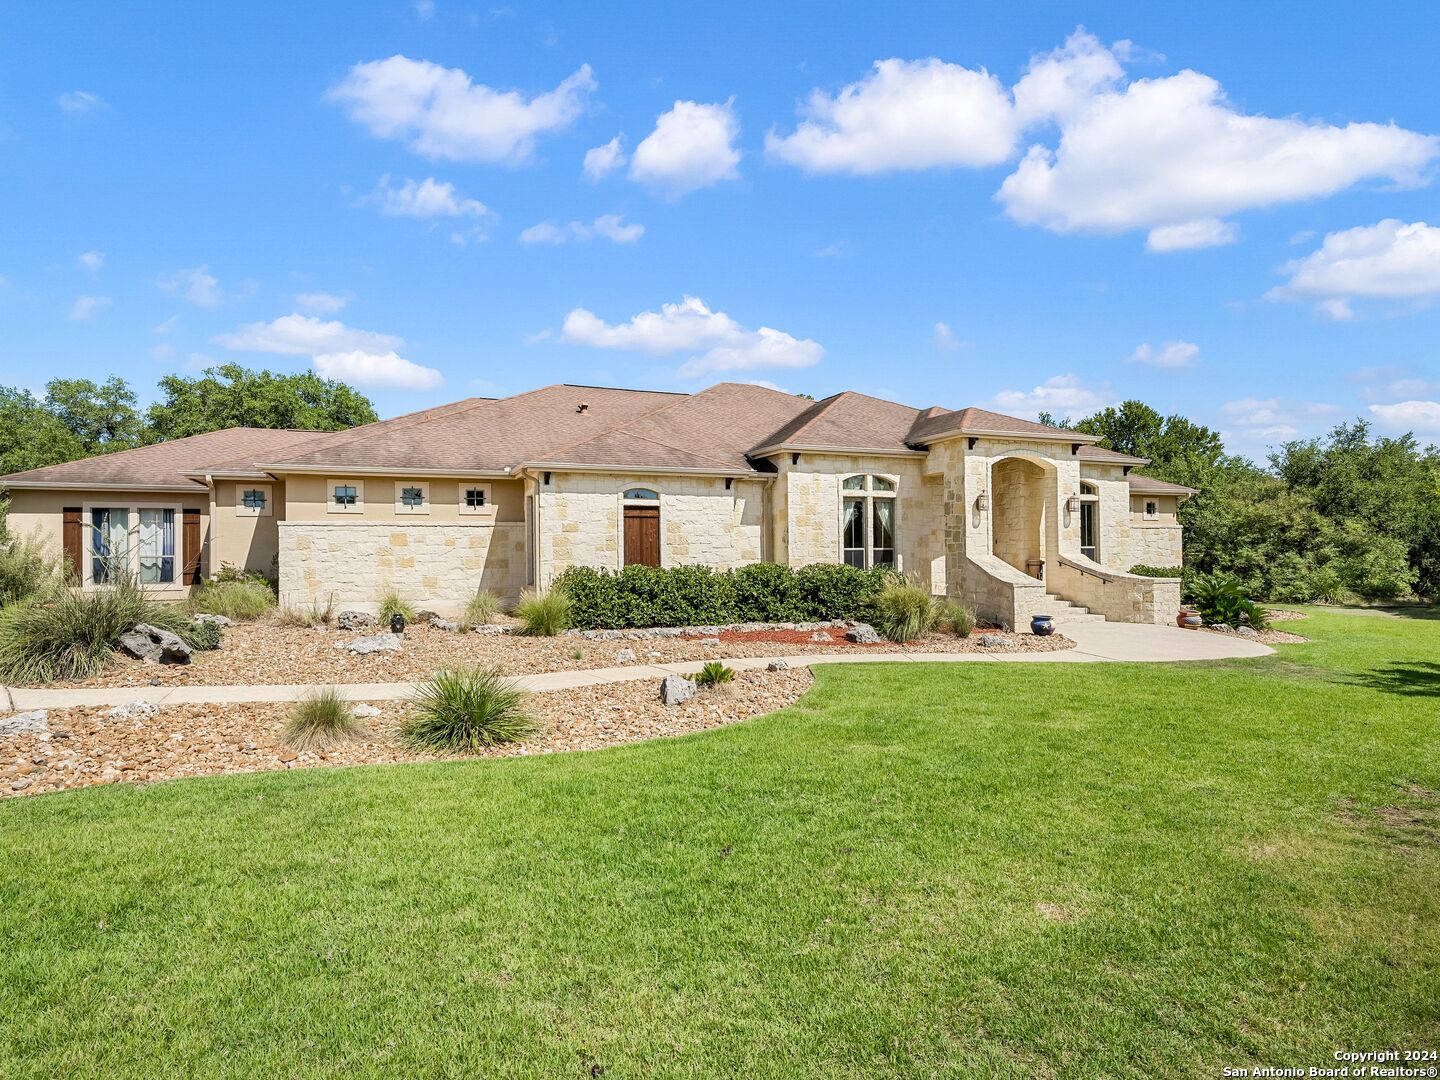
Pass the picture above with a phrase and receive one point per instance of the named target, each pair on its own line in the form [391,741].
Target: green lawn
[1234,863]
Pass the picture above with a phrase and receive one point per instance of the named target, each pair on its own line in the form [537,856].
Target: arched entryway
[1019,507]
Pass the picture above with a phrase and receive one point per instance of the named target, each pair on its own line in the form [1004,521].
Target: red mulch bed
[834,636]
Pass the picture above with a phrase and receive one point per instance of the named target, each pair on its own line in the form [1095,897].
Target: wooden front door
[642,535]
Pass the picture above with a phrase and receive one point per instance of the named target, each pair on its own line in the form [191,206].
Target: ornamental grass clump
[957,618]
[392,604]
[480,609]
[904,611]
[238,598]
[543,612]
[309,616]
[714,673]
[322,718]
[467,709]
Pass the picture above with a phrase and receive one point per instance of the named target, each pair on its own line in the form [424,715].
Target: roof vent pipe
[584,406]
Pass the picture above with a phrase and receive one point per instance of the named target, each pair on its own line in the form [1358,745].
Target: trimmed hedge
[1157,571]
[643,596]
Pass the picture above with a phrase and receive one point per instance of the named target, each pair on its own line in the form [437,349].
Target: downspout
[209,560]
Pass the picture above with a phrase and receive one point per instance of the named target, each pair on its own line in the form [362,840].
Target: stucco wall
[701,522]
[41,514]
[307,498]
[242,539]
[436,565]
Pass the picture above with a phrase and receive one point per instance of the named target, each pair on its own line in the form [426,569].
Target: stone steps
[1066,612]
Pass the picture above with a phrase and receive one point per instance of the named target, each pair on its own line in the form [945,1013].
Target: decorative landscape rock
[862,634]
[363,711]
[625,656]
[25,723]
[354,620]
[147,642]
[133,710]
[206,617]
[376,643]
[676,689]
[1247,631]
[707,641]
[443,624]
[490,628]
[777,665]
[993,641]
[819,635]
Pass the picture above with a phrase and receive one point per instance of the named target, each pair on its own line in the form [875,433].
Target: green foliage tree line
[1350,515]
[78,417]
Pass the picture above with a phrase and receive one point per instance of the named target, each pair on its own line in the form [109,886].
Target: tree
[31,435]
[233,396]
[1175,446]
[101,417]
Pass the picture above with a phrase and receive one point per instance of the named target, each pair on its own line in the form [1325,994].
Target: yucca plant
[480,609]
[237,598]
[467,709]
[904,611]
[714,673]
[391,604]
[322,718]
[958,618]
[543,612]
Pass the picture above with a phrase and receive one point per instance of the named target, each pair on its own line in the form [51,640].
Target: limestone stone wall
[1121,597]
[1018,509]
[581,520]
[1155,544]
[433,565]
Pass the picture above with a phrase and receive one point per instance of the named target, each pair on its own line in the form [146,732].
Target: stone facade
[433,565]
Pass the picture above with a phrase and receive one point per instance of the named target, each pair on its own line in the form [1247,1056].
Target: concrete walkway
[1094,643]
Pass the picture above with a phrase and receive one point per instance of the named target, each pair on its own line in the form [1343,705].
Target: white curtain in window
[883,536]
[157,547]
[109,542]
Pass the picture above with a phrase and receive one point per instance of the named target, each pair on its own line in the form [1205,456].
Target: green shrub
[958,618]
[65,633]
[480,609]
[320,719]
[543,612]
[1158,571]
[904,611]
[392,603]
[236,598]
[309,615]
[714,673]
[25,569]
[643,596]
[467,709]
[1220,600]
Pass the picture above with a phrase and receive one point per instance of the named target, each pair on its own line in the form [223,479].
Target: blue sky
[1225,215]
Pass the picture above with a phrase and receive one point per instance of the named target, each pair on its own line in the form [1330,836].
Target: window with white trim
[412,497]
[345,496]
[252,500]
[475,498]
[867,521]
[1152,509]
[135,540]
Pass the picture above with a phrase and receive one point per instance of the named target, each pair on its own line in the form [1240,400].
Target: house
[1006,514]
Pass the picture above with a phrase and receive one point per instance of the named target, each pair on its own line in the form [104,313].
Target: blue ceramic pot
[1042,625]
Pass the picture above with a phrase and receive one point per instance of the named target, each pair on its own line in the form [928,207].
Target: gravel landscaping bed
[265,652]
[86,746]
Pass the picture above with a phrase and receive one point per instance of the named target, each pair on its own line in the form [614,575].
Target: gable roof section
[973,421]
[166,466]
[1148,485]
[1110,457]
[846,422]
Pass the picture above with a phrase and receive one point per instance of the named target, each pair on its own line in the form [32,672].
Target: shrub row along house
[1002,513]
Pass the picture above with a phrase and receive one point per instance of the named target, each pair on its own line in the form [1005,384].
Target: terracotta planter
[1188,620]
[1042,625]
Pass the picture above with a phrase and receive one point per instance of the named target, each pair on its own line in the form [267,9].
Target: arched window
[642,494]
[867,520]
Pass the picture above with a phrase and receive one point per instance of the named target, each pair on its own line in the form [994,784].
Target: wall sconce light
[982,501]
[1072,504]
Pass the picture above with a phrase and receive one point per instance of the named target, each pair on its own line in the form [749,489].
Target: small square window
[412,496]
[1152,508]
[475,497]
[254,499]
[345,495]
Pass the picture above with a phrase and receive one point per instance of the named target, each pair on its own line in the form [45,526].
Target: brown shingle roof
[1148,485]
[1114,457]
[162,465]
[847,421]
[973,421]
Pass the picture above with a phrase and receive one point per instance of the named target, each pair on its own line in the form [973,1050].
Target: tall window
[133,540]
[109,543]
[867,532]
[1090,521]
[157,547]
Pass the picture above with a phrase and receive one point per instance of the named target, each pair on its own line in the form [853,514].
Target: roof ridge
[624,424]
[453,408]
[651,441]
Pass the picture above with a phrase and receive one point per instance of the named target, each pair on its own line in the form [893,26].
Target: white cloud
[1060,84]
[1390,260]
[944,338]
[167,326]
[163,351]
[1421,417]
[1172,354]
[715,341]
[362,357]
[601,161]
[86,308]
[428,198]
[691,147]
[1190,235]
[441,113]
[196,285]
[607,226]
[903,115]
[1173,152]
[1273,418]
[321,303]
[80,102]
[830,251]
[303,335]
[383,370]
[424,9]
[1061,394]
[91,260]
